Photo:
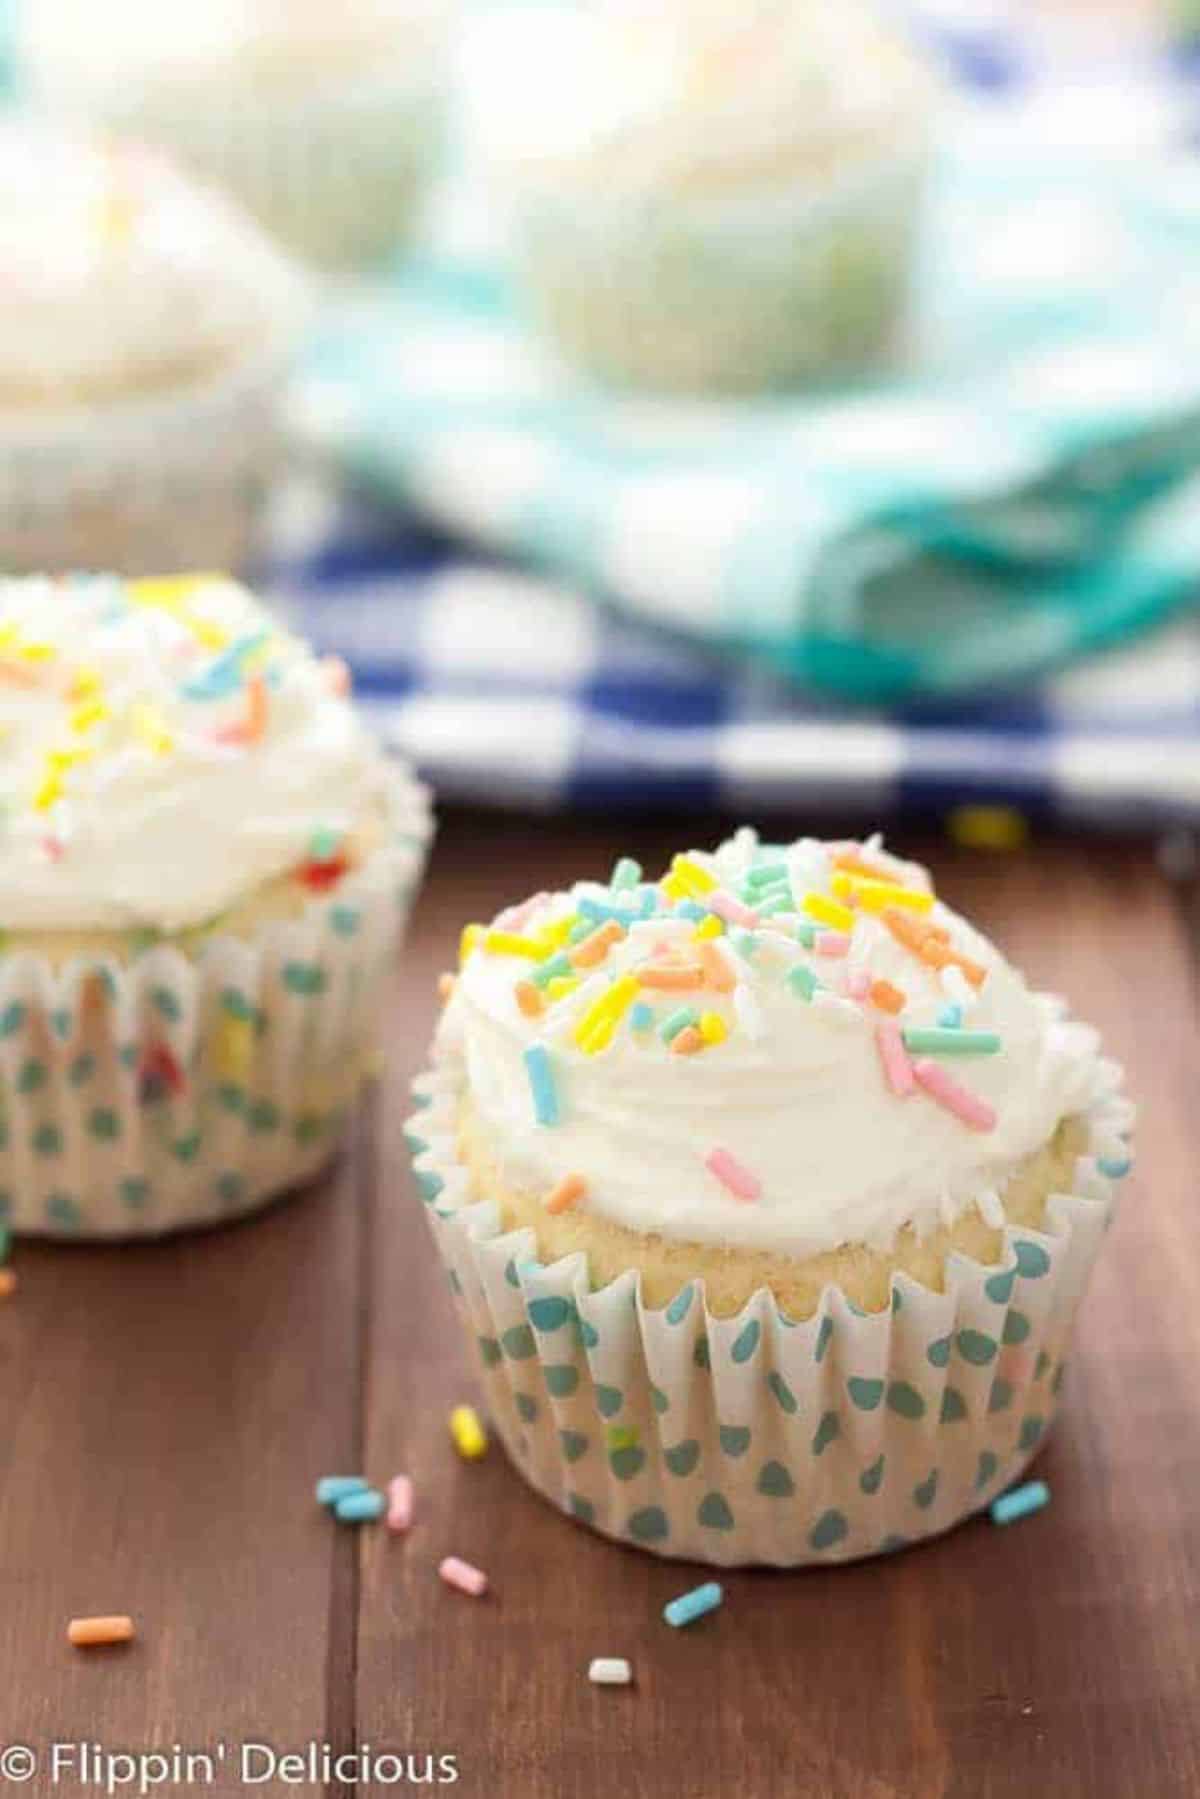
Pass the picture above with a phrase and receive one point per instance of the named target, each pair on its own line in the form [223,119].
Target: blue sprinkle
[332,1487]
[541,1082]
[950,1018]
[1115,1167]
[360,1508]
[641,1016]
[690,1606]
[551,968]
[223,675]
[1020,1502]
[599,912]
[627,873]
[686,908]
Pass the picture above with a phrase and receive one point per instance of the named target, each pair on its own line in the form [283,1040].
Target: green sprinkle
[769,908]
[803,981]
[678,1021]
[547,971]
[583,929]
[323,846]
[806,934]
[626,874]
[743,941]
[951,1043]
[5,1242]
[764,874]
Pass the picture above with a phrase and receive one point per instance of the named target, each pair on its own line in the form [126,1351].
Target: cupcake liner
[337,175]
[753,1439]
[724,292]
[144,486]
[177,1090]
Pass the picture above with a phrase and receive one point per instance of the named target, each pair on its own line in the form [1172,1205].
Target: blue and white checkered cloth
[507,690]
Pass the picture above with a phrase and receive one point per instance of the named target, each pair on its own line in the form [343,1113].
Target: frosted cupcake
[323,120]
[204,862]
[145,329]
[710,195]
[768,1191]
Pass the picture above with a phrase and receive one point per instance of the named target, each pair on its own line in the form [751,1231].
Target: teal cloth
[979,517]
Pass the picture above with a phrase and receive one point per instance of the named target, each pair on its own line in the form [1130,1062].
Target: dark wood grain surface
[167,1409]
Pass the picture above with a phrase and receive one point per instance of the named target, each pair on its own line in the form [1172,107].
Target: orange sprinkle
[529,999]
[908,930]
[716,970]
[687,1042]
[887,997]
[568,1192]
[256,708]
[671,975]
[92,1633]
[446,986]
[858,864]
[593,949]
[938,956]
[8,1283]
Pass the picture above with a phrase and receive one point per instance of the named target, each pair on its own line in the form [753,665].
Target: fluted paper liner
[183,1089]
[753,1439]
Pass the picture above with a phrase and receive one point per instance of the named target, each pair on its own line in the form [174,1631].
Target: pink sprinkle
[897,1068]
[515,918]
[731,1174]
[53,848]
[831,943]
[974,1112]
[858,986]
[461,1575]
[730,909]
[400,1503]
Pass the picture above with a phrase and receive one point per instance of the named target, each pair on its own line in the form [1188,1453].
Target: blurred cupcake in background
[204,863]
[145,330]
[713,195]
[322,118]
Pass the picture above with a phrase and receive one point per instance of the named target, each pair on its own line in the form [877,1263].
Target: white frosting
[796,1092]
[659,92]
[217,44]
[118,273]
[132,793]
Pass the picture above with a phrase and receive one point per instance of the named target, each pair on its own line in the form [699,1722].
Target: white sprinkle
[748,1011]
[610,1671]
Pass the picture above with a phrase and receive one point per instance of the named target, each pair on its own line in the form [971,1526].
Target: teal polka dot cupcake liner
[756,1439]
[179,1090]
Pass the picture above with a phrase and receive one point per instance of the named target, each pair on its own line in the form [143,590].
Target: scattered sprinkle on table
[696,1604]
[360,1508]
[1020,1502]
[609,1671]
[988,827]
[8,1283]
[461,1575]
[332,1487]
[99,1633]
[470,1438]
[400,1502]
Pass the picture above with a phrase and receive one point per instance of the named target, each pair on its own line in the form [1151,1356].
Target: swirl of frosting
[166,748]
[660,92]
[782,1048]
[122,277]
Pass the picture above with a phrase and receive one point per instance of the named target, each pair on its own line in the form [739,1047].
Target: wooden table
[167,1409]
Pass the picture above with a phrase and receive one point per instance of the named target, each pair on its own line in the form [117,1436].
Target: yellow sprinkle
[713,1028]
[470,1438]
[594,1030]
[88,713]
[212,637]
[472,937]
[988,827]
[874,895]
[553,936]
[508,943]
[36,652]
[691,876]
[828,911]
[708,928]
[234,1045]
[561,985]
[86,682]
[48,792]
[8,635]
[168,591]
[150,728]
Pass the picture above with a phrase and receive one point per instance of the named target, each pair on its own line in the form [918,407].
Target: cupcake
[713,195]
[145,329]
[767,1191]
[323,120]
[204,862]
